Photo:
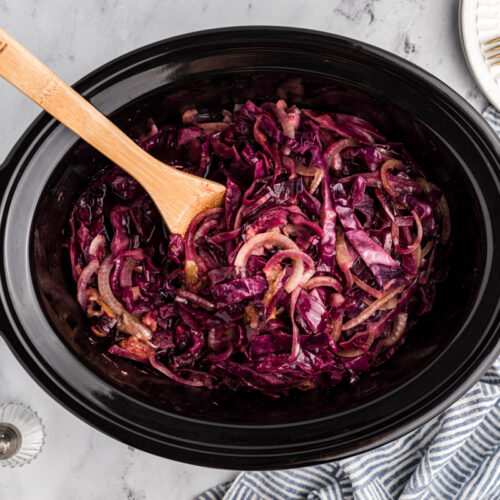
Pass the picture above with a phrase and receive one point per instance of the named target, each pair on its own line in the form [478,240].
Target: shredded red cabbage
[322,258]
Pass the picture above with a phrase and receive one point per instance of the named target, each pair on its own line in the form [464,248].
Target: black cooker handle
[5,173]
[4,178]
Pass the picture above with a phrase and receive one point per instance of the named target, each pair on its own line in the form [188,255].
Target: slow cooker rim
[39,122]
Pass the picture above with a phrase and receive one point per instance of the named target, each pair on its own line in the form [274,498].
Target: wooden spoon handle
[23,70]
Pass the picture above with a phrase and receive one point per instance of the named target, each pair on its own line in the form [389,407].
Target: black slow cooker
[446,352]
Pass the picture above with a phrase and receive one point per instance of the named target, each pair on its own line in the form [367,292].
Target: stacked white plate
[479,24]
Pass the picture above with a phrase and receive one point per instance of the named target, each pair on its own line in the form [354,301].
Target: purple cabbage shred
[327,249]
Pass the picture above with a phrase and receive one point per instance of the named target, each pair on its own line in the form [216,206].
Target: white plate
[480,22]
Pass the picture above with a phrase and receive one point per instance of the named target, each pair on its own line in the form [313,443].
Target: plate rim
[472,52]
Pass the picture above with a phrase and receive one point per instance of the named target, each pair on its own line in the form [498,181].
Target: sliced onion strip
[213,127]
[353,353]
[317,179]
[190,232]
[336,330]
[295,329]
[389,164]
[260,240]
[332,156]
[372,308]
[416,242]
[287,120]
[327,281]
[428,247]
[170,374]
[126,272]
[343,257]
[83,281]
[305,171]
[127,322]
[367,288]
[105,287]
[196,299]
[298,258]
[97,247]
[397,331]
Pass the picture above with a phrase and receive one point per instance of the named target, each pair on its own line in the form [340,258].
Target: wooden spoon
[179,196]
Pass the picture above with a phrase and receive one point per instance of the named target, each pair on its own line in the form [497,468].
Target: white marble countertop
[73,38]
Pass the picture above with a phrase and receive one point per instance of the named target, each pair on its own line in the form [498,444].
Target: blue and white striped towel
[454,456]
